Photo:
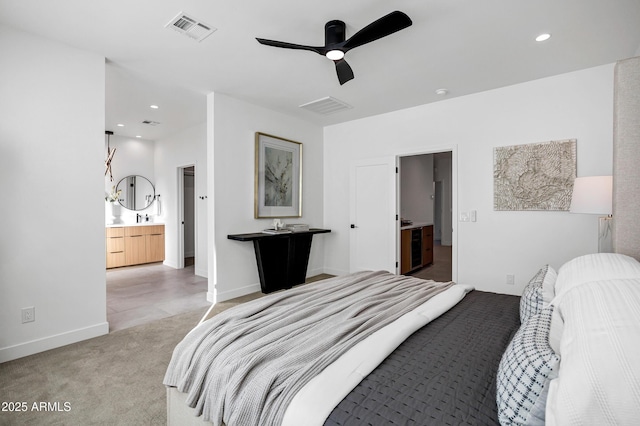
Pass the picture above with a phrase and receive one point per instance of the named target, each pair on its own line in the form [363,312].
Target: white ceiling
[466,46]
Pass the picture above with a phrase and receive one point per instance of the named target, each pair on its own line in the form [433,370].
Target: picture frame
[278,177]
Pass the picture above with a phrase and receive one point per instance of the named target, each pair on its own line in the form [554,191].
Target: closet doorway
[186,216]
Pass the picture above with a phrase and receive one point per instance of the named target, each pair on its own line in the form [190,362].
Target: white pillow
[595,267]
[599,378]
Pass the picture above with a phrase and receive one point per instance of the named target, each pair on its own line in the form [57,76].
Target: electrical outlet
[511,279]
[28,314]
[464,216]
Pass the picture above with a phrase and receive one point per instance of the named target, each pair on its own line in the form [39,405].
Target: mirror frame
[122,201]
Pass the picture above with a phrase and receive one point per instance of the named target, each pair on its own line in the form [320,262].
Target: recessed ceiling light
[138,136]
[120,125]
[543,37]
[153,106]
[442,92]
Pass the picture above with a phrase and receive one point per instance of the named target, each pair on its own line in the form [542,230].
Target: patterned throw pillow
[526,368]
[532,300]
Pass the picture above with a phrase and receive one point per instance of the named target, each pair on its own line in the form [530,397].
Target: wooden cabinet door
[427,245]
[155,248]
[405,251]
[135,249]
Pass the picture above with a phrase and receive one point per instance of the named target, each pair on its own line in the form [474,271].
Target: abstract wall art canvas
[537,176]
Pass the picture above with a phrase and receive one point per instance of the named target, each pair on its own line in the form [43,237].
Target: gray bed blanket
[243,366]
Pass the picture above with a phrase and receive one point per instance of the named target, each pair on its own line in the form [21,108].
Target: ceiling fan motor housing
[334,33]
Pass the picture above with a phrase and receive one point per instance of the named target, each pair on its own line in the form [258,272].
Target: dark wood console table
[282,258]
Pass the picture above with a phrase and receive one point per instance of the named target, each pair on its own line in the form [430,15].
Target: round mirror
[137,192]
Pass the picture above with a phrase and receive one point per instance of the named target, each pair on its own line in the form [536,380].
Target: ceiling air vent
[150,122]
[191,27]
[326,106]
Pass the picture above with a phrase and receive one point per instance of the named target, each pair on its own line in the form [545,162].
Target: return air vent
[150,122]
[326,106]
[191,27]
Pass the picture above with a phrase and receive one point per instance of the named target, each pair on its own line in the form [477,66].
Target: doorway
[186,216]
[425,203]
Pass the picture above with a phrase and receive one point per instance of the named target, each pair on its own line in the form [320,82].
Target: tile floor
[440,269]
[145,293]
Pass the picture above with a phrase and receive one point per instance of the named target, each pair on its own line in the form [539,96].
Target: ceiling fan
[335,44]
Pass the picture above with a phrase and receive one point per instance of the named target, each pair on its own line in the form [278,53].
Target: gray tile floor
[141,294]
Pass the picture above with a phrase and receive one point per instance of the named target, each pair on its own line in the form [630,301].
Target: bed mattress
[443,374]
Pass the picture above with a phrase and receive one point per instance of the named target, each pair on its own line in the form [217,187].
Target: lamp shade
[592,195]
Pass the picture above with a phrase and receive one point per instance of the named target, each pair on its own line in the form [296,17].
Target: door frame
[454,202]
[180,213]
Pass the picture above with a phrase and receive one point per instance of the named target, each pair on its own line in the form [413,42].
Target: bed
[566,352]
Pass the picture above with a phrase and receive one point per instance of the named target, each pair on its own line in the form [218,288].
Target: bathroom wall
[132,157]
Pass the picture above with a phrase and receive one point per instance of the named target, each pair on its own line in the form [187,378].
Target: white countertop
[416,225]
[121,225]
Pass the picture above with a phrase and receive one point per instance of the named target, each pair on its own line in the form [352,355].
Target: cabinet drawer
[155,229]
[115,232]
[115,260]
[115,245]
[131,231]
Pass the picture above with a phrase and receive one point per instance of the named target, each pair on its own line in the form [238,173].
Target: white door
[373,215]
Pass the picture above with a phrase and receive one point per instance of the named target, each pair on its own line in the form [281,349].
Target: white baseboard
[52,342]
[204,273]
[236,292]
[336,272]
[170,264]
[314,272]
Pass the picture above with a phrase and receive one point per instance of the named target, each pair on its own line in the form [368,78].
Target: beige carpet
[114,379]
[110,380]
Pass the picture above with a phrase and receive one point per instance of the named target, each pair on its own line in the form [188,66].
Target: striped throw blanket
[244,366]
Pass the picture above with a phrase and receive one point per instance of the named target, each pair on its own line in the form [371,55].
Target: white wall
[575,105]
[132,157]
[188,147]
[231,142]
[51,173]
[416,188]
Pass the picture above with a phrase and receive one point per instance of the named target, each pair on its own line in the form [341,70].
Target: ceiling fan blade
[345,73]
[388,24]
[285,45]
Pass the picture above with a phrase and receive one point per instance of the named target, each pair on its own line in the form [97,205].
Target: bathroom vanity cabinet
[134,245]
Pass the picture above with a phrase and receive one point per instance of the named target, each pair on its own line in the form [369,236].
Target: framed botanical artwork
[278,177]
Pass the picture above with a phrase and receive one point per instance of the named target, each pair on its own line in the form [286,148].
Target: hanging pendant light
[110,152]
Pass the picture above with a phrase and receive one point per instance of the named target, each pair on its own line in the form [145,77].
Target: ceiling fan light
[543,37]
[335,55]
